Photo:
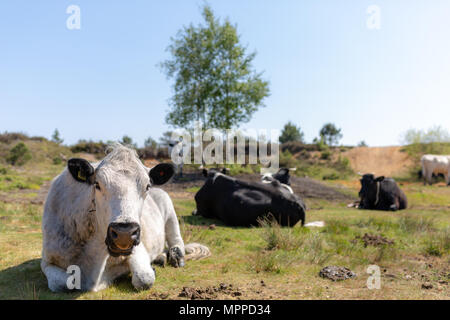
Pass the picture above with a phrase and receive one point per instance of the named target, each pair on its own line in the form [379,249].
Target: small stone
[408,277]
[212,227]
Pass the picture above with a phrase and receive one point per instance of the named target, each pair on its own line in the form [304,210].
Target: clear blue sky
[323,64]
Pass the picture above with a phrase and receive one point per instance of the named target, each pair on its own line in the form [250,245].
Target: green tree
[150,143]
[128,141]
[330,134]
[432,135]
[362,143]
[214,79]
[291,132]
[56,138]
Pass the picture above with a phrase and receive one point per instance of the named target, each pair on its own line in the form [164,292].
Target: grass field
[260,263]
[269,262]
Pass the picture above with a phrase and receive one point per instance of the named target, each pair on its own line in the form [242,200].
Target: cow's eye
[147,188]
[97,186]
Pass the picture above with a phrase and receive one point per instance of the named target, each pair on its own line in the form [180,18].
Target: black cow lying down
[381,194]
[241,203]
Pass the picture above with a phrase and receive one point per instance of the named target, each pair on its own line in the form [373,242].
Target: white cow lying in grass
[435,164]
[107,219]
[175,151]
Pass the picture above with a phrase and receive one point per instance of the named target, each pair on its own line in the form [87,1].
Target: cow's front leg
[56,277]
[175,255]
[143,275]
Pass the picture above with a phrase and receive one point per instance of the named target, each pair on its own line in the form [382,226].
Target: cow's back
[241,203]
[391,190]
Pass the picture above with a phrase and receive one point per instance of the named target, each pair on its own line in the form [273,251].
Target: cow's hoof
[176,257]
[160,260]
[57,287]
[194,212]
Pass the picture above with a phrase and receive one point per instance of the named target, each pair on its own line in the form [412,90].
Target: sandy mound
[387,161]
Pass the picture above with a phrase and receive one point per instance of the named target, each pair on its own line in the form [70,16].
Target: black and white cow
[282,175]
[381,194]
[242,203]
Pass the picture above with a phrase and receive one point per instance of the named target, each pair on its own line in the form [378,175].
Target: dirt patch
[374,240]
[387,161]
[211,292]
[157,296]
[337,273]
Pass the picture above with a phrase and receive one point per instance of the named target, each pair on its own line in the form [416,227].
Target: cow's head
[121,184]
[370,190]
[211,172]
[282,175]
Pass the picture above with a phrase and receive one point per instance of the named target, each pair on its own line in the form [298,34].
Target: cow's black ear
[205,172]
[81,170]
[161,173]
[379,179]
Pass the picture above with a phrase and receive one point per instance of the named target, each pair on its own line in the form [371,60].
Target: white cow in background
[107,219]
[175,150]
[435,164]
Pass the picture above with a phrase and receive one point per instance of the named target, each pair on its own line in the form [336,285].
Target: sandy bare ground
[387,161]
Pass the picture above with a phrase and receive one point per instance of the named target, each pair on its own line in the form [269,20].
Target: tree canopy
[330,134]
[214,79]
[434,134]
[56,137]
[291,132]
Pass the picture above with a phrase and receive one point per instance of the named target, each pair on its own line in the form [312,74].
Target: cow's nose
[124,235]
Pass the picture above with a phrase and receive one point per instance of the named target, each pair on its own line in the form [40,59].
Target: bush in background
[96,148]
[19,154]
[8,137]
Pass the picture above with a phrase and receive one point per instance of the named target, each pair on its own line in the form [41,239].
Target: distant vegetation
[56,137]
[362,144]
[330,134]
[291,133]
[96,148]
[19,154]
[435,140]
[40,158]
